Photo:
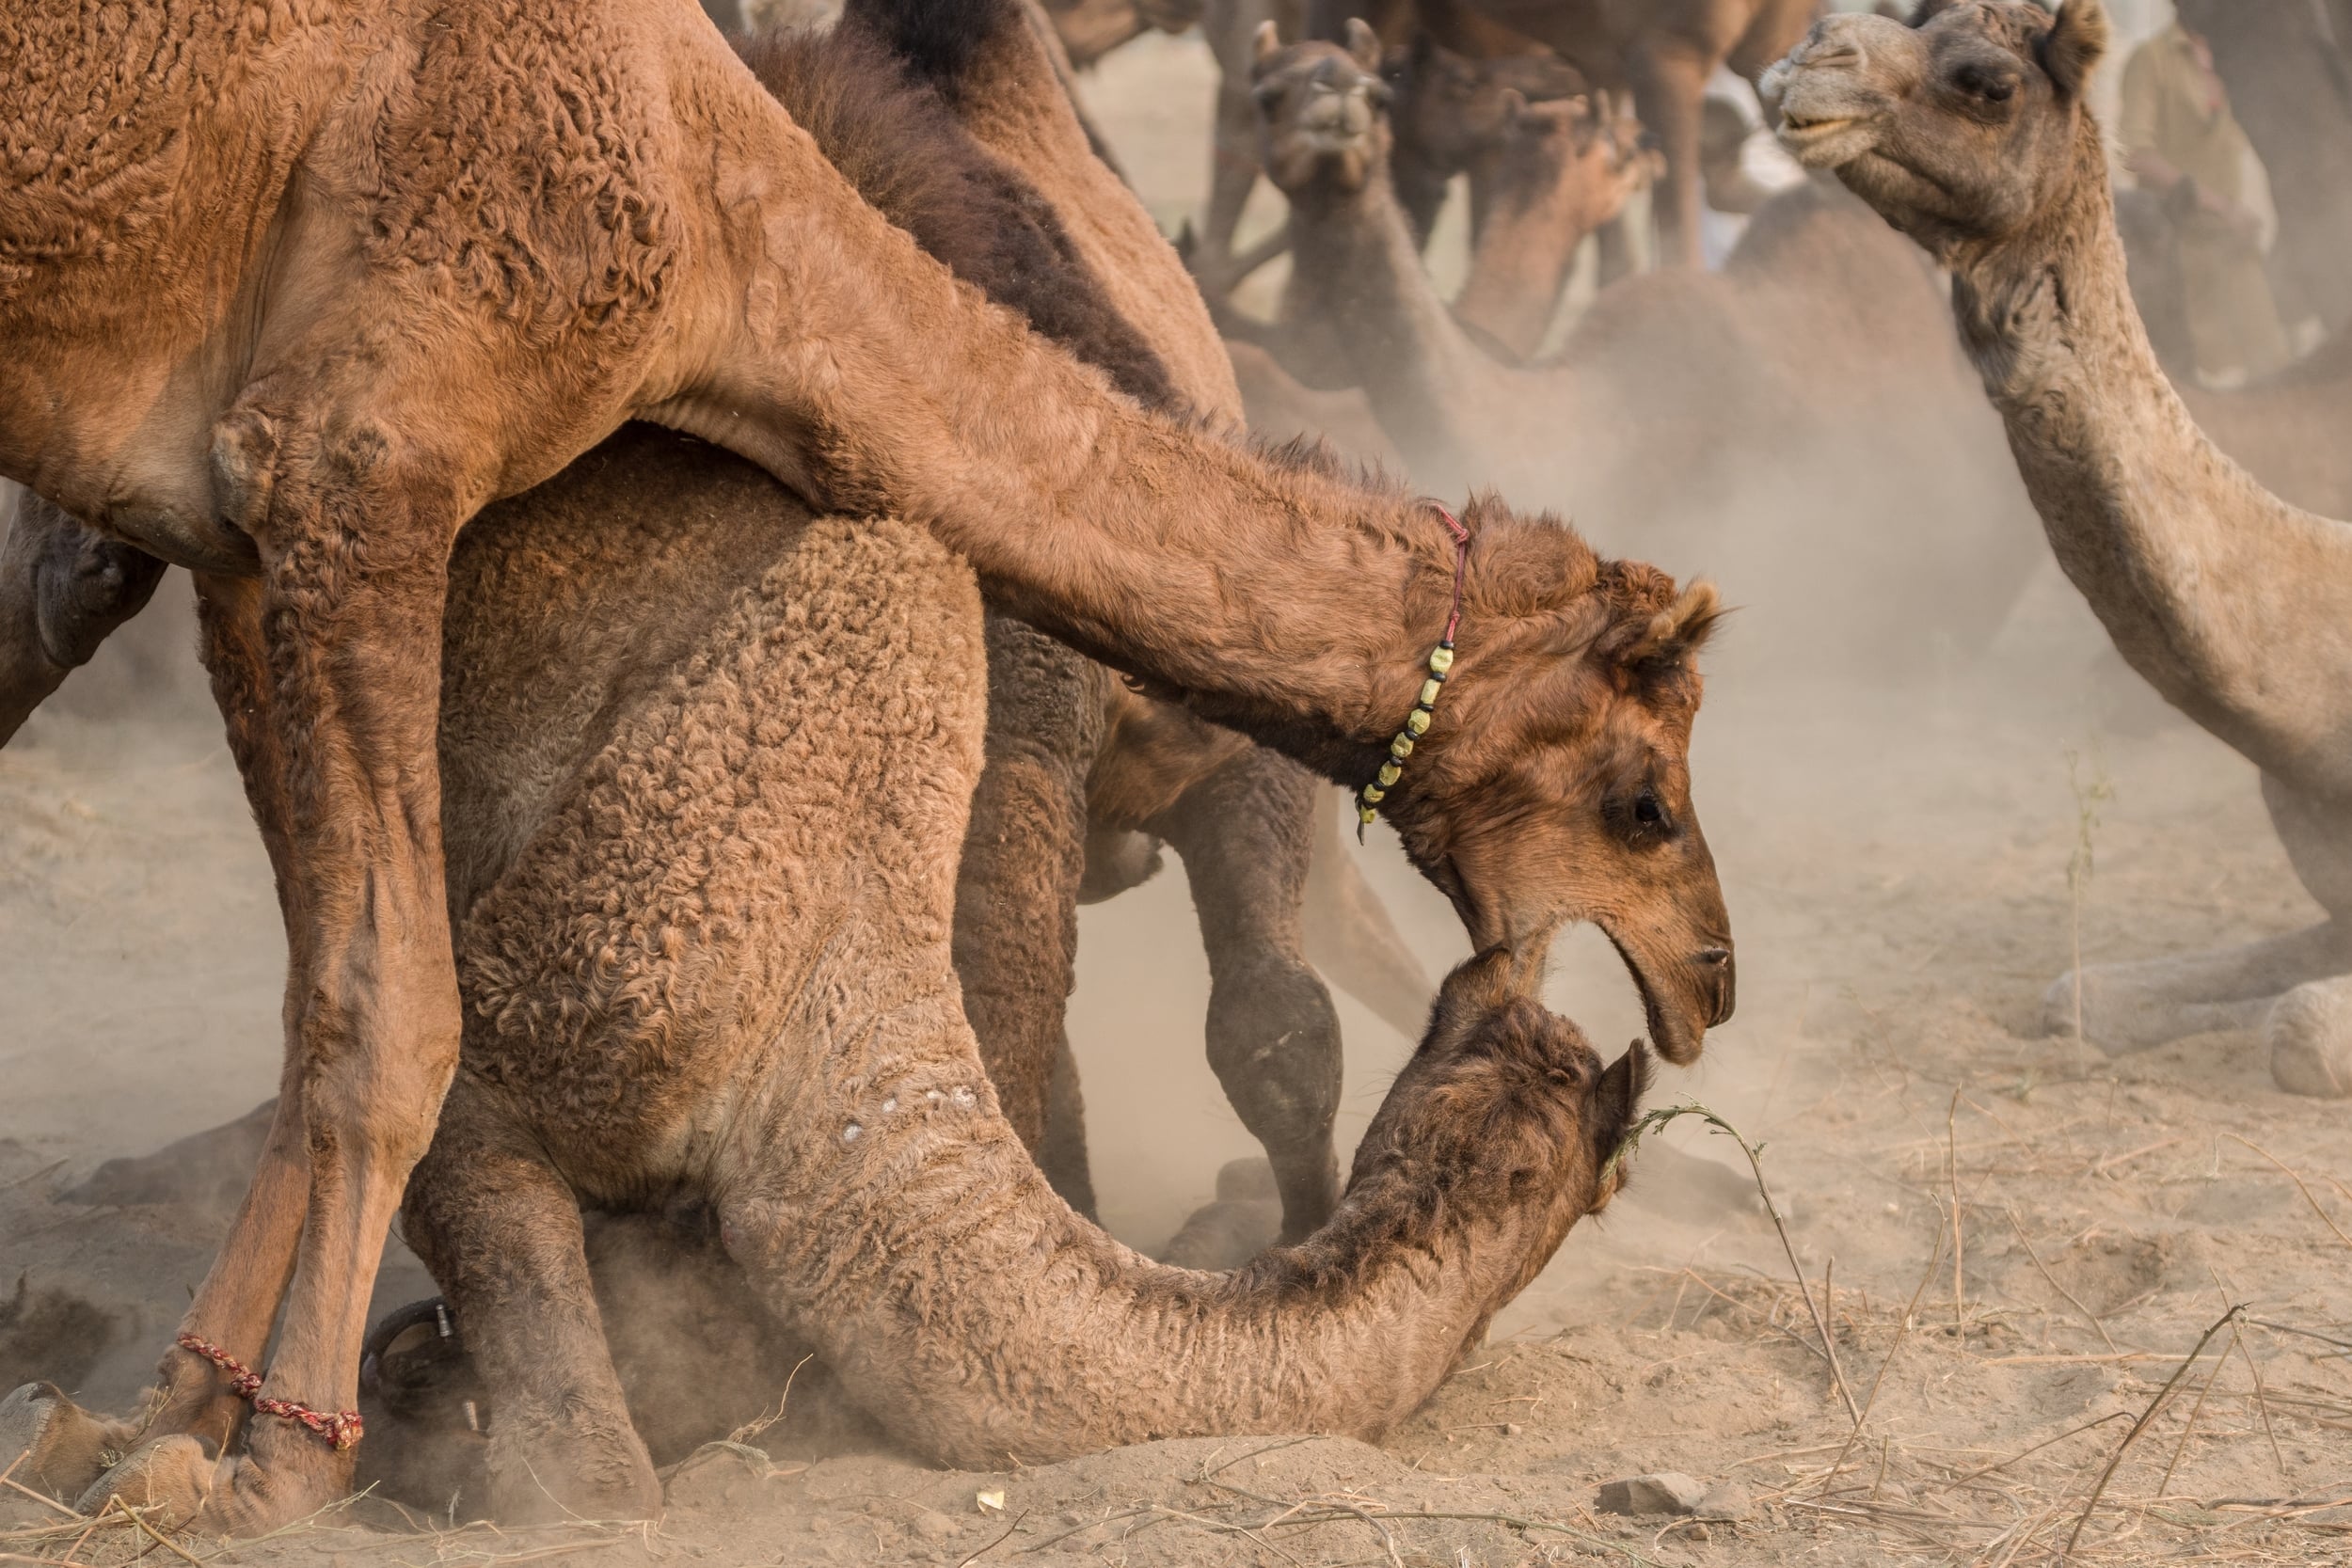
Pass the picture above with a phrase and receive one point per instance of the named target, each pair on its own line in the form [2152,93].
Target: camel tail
[1350,939]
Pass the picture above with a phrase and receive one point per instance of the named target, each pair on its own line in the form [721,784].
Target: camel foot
[571,1467]
[170,1482]
[65,1449]
[2310,1030]
[2128,1007]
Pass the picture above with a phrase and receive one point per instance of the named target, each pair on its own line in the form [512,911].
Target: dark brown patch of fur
[894,139]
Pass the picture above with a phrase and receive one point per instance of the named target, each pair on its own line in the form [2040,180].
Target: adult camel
[290,293]
[1970,131]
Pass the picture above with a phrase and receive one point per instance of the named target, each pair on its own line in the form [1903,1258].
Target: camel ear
[1363,45]
[1681,629]
[2076,43]
[1927,10]
[1265,44]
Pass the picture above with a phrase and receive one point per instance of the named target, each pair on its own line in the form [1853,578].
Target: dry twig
[1754,1151]
[2141,1425]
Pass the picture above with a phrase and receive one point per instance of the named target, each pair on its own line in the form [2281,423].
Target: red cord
[341,1429]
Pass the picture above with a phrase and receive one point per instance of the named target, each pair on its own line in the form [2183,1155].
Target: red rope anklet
[342,1429]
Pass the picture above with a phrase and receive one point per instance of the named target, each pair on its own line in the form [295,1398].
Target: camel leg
[1016,930]
[350,639]
[1061,1153]
[2134,1007]
[1233,134]
[1669,90]
[2285,985]
[1246,833]
[194,1408]
[63,588]
[501,1231]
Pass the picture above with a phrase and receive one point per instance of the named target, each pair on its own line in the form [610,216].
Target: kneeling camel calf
[704,863]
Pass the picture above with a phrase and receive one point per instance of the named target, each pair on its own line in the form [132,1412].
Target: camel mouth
[1824,141]
[1676,1009]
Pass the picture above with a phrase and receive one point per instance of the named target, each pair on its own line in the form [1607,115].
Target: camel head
[1582,158]
[1965,127]
[1451,108]
[1502,1089]
[1319,110]
[1553,786]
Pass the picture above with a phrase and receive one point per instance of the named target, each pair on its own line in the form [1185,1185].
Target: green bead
[1390,774]
[1429,690]
[1417,721]
[1366,815]
[1401,747]
[1441,658]
[1373,794]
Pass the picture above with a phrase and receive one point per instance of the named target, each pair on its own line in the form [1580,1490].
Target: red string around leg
[341,1428]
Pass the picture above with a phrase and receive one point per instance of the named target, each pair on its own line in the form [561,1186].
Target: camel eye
[1647,810]
[1994,87]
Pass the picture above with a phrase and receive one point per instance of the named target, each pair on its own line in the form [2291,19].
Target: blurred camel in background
[1970,131]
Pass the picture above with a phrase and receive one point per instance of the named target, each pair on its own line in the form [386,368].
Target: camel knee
[375,1072]
[1274,1043]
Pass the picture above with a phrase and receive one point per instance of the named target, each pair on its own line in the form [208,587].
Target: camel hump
[946,42]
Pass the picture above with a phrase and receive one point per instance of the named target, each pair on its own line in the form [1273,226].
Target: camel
[294,305]
[1079,764]
[703,864]
[1662,50]
[1709,378]
[1559,172]
[1451,114]
[1968,132]
[1552,176]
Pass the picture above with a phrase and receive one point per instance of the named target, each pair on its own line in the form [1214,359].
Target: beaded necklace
[1417,723]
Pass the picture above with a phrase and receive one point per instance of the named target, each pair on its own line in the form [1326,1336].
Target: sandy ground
[2015,1240]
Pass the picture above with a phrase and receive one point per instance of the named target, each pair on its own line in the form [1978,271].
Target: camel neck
[1409,353]
[2193,567]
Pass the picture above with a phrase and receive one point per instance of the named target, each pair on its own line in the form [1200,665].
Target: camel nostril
[1713,956]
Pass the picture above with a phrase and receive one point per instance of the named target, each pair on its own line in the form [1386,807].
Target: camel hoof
[168,1481]
[2310,1030]
[64,1449]
[572,1471]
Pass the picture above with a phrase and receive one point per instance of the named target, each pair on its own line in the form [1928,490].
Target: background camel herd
[747,969]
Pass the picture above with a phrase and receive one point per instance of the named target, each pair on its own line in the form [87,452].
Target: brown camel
[836,1028]
[1662,50]
[702,862]
[1559,172]
[1969,131]
[1452,112]
[1077,763]
[1817,372]
[288,297]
